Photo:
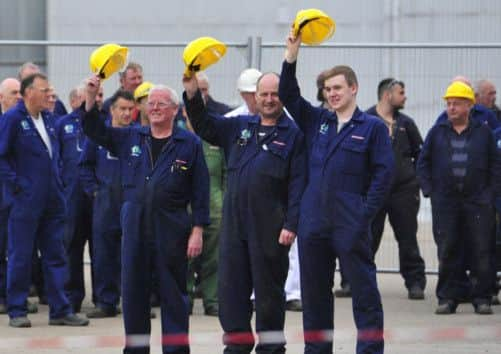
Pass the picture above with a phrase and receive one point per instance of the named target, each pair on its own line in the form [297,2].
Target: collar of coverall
[283,120]
[22,107]
[177,133]
[356,117]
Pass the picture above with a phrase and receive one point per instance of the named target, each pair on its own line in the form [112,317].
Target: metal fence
[426,70]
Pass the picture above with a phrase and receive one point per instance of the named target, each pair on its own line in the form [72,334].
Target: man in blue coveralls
[79,206]
[460,170]
[266,166]
[29,156]
[9,96]
[350,170]
[100,178]
[163,171]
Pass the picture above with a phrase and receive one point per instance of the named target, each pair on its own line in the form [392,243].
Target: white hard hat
[247,80]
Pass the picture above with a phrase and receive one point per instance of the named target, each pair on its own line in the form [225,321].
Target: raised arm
[212,128]
[304,114]
[94,126]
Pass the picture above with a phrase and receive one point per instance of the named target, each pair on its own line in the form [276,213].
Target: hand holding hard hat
[108,59]
[201,53]
[314,25]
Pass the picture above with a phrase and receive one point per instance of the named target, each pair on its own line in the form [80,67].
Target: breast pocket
[274,161]
[355,157]
[129,171]
[30,142]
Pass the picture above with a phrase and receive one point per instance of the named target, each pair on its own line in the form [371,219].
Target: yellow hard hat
[314,25]
[460,90]
[142,90]
[202,53]
[108,59]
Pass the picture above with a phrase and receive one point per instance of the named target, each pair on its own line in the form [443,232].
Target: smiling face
[338,93]
[160,107]
[268,103]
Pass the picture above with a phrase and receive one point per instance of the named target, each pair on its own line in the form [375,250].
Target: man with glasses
[163,171]
[29,167]
[78,204]
[402,204]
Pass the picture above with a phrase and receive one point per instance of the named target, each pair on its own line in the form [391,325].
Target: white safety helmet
[247,80]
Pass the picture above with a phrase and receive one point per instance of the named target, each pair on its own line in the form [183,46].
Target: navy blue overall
[265,183]
[349,177]
[155,221]
[78,222]
[100,178]
[37,210]
[463,219]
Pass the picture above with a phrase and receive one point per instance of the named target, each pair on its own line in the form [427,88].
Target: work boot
[495,300]
[416,293]
[3,309]
[483,309]
[69,320]
[446,308]
[345,291]
[294,305]
[31,307]
[20,322]
[212,311]
[99,312]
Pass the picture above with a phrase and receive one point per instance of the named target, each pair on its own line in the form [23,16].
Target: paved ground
[412,328]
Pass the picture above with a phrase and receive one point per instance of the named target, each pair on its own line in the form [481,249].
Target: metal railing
[425,68]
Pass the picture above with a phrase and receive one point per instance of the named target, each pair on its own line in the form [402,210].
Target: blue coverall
[461,217]
[349,177]
[35,193]
[100,178]
[265,181]
[155,221]
[79,206]
[485,116]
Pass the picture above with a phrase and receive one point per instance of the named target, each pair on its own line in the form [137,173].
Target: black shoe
[153,314]
[495,300]
[212,311]
[20,322]
[294,305]
[446,308]
[483,309]
[3,309]
[345,291]
[99,312]
[31,307]
[69,320]
[154,300]
[42,300]
[416,293]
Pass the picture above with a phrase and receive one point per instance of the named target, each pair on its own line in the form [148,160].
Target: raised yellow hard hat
[460,90]
[202,53]
[314,25]
[142,90]
[108,59]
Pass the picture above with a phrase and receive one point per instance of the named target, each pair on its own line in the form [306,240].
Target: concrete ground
[411,328]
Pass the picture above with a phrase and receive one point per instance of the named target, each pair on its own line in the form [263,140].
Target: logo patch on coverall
[69,129]
[135,151]
[244,136]
[324,128]
[499,144]
[25,125]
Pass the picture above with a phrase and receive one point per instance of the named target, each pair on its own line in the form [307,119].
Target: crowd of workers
[183,198]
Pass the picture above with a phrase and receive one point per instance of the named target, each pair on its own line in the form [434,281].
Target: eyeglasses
[160,105]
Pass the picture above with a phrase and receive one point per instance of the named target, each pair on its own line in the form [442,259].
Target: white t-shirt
[39,124]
